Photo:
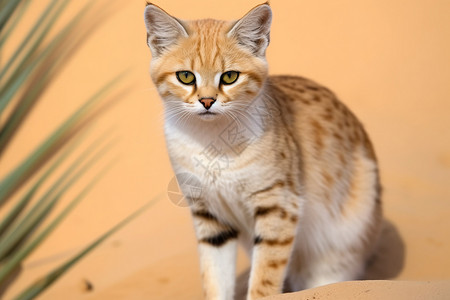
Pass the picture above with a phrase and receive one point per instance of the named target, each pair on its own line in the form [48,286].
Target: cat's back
[320,119]
[338,162]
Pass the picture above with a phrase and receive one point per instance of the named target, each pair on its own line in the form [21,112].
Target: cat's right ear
[163,30]
[253,30]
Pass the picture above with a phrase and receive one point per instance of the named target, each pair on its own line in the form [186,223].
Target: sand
[368,290]
[387,60]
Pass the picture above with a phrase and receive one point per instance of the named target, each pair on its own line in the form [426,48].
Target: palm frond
[47,280]
[23,202]
[6,32]
[37,68]
[24,77]
[26,225]
[19,175]
[7,9]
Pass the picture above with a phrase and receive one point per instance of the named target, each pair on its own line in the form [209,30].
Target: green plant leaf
[6,11]
[36,34]
[23,79]
[13,262]
[36,288]
[19,175]
[35,56]
[29,223]
[34,73]
[7,32]
[21,204]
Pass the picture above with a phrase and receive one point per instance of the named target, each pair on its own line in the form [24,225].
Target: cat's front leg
[276,218]
[217,250]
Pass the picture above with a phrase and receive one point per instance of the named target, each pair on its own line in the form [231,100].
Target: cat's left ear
[163,30]
[253,30]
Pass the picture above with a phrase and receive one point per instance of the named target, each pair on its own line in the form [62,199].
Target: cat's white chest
[217,171]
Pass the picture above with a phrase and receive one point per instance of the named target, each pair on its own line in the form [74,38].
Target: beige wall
[388,60]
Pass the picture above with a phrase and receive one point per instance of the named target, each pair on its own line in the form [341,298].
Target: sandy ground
[374,290]
[387,60]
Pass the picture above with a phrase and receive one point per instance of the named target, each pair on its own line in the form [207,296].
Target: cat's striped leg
[217,249]
[275,228]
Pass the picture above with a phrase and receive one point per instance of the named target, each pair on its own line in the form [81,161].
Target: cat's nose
[207,102]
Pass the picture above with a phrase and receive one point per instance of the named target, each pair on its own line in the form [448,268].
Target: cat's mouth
[207,115]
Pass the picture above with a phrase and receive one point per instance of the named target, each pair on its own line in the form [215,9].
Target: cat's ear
[163,30]
[253,30]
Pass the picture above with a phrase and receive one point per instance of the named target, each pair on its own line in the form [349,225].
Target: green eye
[186,77]
[229,77]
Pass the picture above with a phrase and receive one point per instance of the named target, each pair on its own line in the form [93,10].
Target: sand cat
[284,167]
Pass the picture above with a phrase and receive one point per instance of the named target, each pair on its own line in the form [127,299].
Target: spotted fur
[285,168]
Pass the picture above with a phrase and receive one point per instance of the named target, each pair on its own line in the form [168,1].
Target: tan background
[388,60]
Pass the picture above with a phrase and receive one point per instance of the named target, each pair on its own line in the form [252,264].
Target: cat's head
[208,69]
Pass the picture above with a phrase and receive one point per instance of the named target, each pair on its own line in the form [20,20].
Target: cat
[283,167]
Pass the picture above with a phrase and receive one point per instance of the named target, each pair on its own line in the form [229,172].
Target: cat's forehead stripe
[207,34]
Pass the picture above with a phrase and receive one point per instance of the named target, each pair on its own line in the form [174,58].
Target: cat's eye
[229,77]
[186,77]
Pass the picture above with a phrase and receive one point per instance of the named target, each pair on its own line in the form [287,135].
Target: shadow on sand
[386,263]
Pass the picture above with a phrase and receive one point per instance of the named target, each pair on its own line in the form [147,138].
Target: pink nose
[207,102]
